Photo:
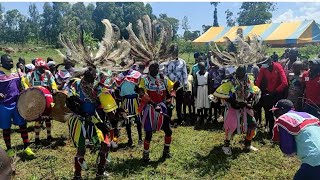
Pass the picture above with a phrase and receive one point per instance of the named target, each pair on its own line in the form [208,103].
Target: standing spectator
[295,92]
[216,75]
[273,75]
[292,57]
[176,71]
[311,84]
[285,54]
[21,64]
[254,69]
[201,82]
[275,57]
[188,100]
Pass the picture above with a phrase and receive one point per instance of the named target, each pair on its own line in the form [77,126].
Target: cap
[50,63]
[30,66]
[283,104]
[41,63]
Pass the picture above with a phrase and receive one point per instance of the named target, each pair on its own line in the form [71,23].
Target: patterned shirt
[10,85]
[46,80]
[176,70]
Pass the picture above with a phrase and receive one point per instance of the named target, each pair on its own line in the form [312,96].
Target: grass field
[196,154]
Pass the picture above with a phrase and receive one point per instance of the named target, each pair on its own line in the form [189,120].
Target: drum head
[31,104]
[60,109]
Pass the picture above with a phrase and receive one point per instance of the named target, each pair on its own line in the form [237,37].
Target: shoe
[266,129]
[29,151]
[37,141]
[250,148]
[166,154]
[11,153]
[129,143]
[140,142]
[113,144]
[49,138]
[101,173]
[77,178]
[145,157]
[227,150]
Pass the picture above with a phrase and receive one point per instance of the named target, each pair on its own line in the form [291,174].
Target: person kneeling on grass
[298,133]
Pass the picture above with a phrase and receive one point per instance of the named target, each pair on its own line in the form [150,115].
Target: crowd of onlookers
[278,77]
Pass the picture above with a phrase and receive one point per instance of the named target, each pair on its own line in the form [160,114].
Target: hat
[283,104]
[50,63]
[30,66]
[41,63]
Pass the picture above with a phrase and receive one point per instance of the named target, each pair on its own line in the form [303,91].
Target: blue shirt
[127,88]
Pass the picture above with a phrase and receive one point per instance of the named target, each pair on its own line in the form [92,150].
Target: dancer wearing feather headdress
[127,81]
[84,98]
[239,92]
[154,88]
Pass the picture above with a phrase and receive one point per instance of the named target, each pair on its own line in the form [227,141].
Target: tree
[174,23]
[14,21]
[2,23]
[106,10]
[33,23]
[59,10]
[215,14]
[185,23]
[205,28]
[229,16]
[253,13]
[188,35]
[47,23]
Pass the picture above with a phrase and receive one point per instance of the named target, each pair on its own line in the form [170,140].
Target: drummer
[10,86]
[42,77]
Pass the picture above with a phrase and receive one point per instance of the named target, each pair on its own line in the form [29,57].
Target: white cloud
[307,11]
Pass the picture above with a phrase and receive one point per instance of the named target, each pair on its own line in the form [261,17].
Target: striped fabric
[294,122]
[298,32]
[79,130]
[131,105]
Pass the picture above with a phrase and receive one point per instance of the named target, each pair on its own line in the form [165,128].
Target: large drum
[35,102]
[60,109]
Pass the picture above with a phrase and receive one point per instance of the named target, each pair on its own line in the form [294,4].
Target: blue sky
[200,13]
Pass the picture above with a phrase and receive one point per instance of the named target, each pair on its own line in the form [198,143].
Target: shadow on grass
[216,161]
[133,166]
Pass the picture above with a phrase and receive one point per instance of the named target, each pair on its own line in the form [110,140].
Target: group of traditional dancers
[148,79]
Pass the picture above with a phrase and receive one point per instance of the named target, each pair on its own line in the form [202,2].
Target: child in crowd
[201,83]
[188,99]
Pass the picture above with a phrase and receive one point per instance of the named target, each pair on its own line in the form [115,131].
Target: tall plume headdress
[111,53]
[248,53]
[153,41]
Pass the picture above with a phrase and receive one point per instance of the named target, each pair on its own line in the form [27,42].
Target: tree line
[60,17]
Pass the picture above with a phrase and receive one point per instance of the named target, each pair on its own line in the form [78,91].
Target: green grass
[197,154]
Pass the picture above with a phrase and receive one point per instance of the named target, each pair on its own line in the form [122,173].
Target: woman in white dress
[202,102]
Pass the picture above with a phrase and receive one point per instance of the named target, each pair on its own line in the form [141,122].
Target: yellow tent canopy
[287,33]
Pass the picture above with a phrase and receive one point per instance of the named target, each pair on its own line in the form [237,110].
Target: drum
[60,109]
[35,102]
